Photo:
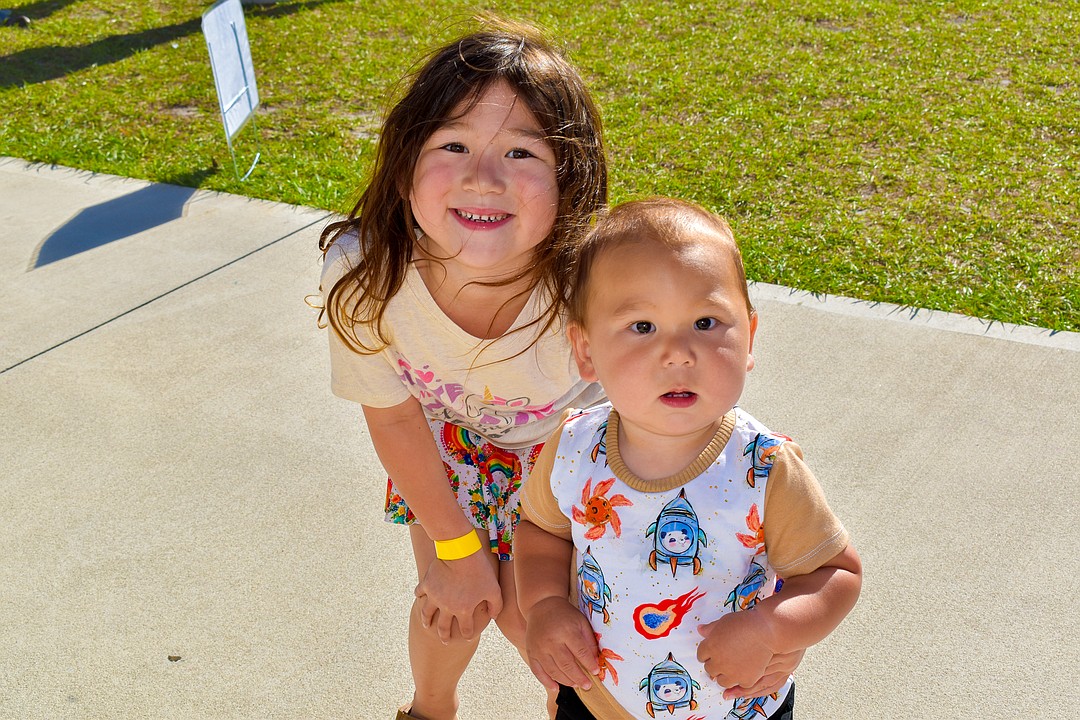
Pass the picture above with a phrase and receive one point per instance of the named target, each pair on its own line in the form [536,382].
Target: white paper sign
[230,59]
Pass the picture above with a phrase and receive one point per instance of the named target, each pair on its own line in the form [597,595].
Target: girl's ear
[579,343]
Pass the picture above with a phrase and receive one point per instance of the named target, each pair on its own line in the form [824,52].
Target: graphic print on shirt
[746,708]
[601,443]
[762,451]
[669,687]
[442,400]
[677,538]
[657,620]
[747,593]
[606,656]
[757,537]
[599,510]
[593,592]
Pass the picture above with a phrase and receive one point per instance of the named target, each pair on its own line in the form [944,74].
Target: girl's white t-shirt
[509,390]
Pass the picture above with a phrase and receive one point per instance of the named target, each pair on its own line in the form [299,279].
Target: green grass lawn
[924,153]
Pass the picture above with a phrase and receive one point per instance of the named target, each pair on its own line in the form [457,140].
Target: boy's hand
[736,651]
[459,597]
[560,645]
[776,676]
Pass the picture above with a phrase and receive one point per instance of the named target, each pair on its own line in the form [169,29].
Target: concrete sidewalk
[190,523]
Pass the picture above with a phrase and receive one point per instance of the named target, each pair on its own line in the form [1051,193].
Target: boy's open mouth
[680,398]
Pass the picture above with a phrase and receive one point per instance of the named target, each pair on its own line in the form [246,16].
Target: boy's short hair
[674,223]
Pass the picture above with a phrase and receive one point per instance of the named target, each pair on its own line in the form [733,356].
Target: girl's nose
[485,173]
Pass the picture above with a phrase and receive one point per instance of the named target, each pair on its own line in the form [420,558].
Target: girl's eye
[643,327]
[705,323]
[454,147]
[519,154]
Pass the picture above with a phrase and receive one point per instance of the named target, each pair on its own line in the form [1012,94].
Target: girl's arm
[737,648]
[559,640]
[452,589]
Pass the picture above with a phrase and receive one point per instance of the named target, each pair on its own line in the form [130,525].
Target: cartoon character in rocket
[669,687]
[762,451]
[601,443]
[747,593]
[746,708]
[677,537]
[593,592]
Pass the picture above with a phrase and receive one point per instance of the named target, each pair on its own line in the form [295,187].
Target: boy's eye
[705,323]
[643,327]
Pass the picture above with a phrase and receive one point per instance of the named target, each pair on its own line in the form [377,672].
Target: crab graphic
[606,656]
[753,522]
[599,509]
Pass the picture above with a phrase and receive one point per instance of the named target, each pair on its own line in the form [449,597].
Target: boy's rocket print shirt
[654,560]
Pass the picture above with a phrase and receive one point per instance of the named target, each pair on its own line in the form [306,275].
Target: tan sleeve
[801,532]
[538,503]
[601,704]
[367,379]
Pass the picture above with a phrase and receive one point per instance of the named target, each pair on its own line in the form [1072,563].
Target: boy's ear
[579,343]
[750,352]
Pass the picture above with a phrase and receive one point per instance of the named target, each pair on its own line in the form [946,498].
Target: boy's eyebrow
[632,307]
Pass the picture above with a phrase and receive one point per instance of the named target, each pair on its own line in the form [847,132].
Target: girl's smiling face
[484,187]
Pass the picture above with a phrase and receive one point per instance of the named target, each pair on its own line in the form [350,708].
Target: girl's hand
[560,645]
[459,597]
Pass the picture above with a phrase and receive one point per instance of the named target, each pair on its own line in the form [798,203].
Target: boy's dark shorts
[571,707]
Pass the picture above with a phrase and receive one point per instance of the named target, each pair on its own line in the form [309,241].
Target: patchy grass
[925,154]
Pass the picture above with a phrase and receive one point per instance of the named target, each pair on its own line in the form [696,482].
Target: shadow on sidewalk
[117,219]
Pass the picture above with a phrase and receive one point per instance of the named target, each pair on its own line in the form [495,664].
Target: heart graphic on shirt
[657,621]
[427,377]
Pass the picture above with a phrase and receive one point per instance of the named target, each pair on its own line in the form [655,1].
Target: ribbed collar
[699,465]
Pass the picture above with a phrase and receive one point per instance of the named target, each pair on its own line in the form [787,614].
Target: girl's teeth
[481,218]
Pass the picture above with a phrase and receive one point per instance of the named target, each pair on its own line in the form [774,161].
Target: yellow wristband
[458,548]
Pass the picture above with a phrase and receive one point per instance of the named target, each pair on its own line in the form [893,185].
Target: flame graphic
[657,621]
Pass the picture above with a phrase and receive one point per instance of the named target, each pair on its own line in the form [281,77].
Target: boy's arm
[559,640]
[737,648]
[802,536]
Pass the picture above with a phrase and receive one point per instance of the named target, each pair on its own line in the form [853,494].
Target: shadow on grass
[42,9]
[119,218]
[36,65]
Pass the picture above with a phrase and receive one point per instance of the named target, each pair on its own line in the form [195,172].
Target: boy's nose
[678,351]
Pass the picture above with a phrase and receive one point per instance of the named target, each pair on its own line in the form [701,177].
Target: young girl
[444,289]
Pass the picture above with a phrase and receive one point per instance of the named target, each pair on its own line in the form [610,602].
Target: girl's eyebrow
[525,132]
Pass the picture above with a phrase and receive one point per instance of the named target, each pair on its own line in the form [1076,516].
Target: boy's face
[668,334]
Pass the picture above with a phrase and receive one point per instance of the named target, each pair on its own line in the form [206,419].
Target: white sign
[230,59]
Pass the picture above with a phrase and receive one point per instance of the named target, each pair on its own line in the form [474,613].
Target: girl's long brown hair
[450,82]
